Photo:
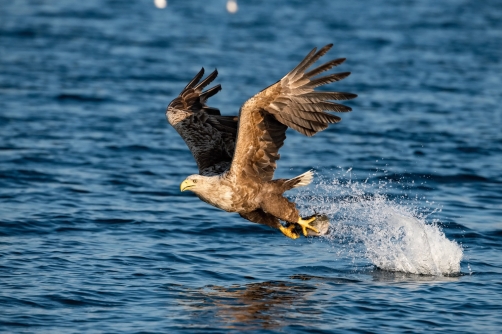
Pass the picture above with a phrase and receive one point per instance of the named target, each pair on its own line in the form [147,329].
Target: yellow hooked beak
[186,185]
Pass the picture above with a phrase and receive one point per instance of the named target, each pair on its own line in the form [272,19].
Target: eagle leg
[289,231]
[305,224]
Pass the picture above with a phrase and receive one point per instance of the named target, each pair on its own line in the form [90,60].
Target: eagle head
[193,183]
[211,189]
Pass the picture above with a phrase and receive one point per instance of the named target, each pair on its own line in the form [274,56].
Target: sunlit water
[96,237]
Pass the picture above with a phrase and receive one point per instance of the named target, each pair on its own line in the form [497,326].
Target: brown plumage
[236,175]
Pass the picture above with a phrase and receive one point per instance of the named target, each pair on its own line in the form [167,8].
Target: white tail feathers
[302,180]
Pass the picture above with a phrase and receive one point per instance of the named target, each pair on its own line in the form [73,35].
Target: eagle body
[252,200]
[237,155]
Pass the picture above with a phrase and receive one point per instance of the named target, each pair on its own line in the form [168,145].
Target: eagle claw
[305,224]
[289,231]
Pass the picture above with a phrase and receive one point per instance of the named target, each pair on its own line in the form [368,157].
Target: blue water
[96,237]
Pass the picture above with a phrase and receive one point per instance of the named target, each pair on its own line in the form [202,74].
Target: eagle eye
[194,181]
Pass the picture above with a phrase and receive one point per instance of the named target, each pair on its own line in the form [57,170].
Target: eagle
[237,155]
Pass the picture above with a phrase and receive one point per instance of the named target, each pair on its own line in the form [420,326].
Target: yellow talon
[289,231]
[305,224]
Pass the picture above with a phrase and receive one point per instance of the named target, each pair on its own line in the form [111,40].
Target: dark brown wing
[209,136]
[291,102]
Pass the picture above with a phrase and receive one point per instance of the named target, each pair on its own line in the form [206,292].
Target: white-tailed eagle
[237,155]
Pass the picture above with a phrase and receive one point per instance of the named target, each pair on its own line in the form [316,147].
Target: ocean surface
[95,236]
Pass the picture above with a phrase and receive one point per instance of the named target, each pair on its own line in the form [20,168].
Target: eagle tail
[300,180]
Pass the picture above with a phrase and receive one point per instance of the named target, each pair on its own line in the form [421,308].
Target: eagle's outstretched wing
[291,102]
[209,136]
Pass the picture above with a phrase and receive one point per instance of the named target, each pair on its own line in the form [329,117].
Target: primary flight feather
[237,155]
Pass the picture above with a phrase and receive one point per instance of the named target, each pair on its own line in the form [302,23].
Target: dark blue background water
[96,237]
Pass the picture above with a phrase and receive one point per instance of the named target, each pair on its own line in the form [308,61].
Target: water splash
[391,233]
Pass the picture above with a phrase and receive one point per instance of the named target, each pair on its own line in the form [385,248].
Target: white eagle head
[198,184]
[210,189]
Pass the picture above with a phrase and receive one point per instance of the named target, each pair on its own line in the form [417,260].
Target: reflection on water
[378,275]
[284,304]
[401,277]
[257,305]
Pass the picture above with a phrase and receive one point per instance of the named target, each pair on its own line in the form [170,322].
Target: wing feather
[325,67]
[209,136]
[291,102]
[323,96]
[195,80]
[327,79]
